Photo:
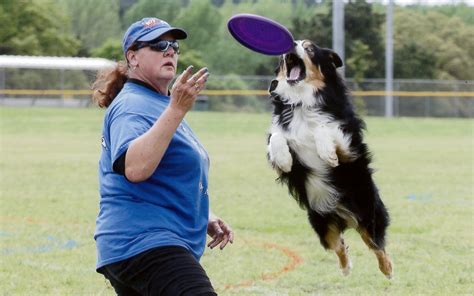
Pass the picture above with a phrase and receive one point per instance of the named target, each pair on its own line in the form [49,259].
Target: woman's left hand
[220,232]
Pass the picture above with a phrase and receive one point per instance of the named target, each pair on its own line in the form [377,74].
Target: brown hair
[108,84]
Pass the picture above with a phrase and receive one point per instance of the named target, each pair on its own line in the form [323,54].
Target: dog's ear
[335,59]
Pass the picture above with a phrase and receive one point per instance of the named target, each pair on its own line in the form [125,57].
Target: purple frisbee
[260,34]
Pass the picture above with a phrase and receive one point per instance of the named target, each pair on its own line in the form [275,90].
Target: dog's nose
[273,85]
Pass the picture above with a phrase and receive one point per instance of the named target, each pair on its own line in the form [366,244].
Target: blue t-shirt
[168,209]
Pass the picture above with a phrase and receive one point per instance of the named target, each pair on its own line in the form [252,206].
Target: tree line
[430,42]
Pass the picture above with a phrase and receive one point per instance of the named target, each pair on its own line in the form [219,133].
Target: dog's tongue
[295,73]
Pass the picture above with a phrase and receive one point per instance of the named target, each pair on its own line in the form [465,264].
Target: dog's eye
[309,49]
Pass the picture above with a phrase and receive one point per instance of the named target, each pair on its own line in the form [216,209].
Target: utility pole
[389,61]
[338,30]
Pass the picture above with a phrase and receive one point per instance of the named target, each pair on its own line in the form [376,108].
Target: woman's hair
[108,84]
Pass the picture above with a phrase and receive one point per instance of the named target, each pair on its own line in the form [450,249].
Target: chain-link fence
[422,98]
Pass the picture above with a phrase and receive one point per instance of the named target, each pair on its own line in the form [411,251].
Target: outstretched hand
[220,232]
[187,87]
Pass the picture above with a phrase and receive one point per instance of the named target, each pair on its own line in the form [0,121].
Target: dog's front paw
[326,146]
[329,156]
[283,161]
[279,153]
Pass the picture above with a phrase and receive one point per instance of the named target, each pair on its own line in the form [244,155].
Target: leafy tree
[362,28]
[461,10]
[189,57]
[93,22]
[432,45]
[360,61]
[111,49]
[362,23]
[166,10]
[411,61]
[200,20]
[317,28]
[225,55]
[32,27]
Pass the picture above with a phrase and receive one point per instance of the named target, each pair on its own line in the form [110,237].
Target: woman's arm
[145,152]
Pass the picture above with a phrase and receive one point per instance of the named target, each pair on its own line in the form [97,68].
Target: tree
[166,10]
[93,22]
[225,55]
[201,21]
[363,24]
[360,61]
[111,49]
[362,28]
[31,27]
[317,28]
[432,46]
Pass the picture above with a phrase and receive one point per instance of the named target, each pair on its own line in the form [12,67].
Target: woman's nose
[169,52]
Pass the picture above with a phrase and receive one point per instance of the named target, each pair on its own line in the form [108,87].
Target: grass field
[49,201]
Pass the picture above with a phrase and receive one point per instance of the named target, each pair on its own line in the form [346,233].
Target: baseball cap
[148,29]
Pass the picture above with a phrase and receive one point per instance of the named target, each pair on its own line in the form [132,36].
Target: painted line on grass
[294,260]
[46,244]
[35,221]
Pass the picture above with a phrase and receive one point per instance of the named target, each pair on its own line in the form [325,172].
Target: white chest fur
[311,135]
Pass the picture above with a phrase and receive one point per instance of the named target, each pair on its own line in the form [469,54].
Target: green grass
[49,201]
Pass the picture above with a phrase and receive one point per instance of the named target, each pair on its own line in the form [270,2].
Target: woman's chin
[168,75]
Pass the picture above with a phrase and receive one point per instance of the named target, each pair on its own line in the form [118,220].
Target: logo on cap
[151,22]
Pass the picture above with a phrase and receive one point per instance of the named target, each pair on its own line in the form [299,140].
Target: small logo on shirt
[201,188]
[103,143]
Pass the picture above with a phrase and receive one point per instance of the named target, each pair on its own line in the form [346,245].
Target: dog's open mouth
[295,69]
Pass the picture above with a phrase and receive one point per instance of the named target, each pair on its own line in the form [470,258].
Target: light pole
[338,29]
[389,61]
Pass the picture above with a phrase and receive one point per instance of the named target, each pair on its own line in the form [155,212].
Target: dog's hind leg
[330,235]
[336,243]
[385,264]
[373,234]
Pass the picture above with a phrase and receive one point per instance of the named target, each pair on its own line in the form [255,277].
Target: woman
[154,206]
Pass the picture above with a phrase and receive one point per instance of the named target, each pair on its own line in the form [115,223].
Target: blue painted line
[52,244]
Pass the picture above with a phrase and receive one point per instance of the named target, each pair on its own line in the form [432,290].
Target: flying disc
[260,34]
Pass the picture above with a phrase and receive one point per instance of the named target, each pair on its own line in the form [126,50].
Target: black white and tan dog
[316,146]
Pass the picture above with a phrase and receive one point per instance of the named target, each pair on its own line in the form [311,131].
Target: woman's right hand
[186,89]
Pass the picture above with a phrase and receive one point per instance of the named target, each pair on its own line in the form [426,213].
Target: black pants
[161,271]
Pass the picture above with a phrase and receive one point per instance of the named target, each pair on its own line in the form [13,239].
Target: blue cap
[149,29]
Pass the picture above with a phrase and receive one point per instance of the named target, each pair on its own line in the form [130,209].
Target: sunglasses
[160,45]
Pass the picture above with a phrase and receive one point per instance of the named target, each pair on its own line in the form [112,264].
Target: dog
[315,144]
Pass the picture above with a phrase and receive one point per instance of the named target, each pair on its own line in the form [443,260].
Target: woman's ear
[132,58]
